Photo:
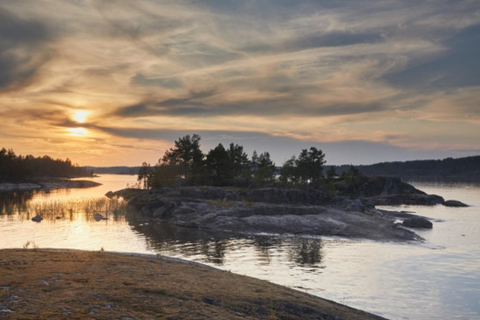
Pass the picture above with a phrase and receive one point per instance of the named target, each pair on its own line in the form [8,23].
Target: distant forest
[115,170]
[463,169]
[20,168]
[467,168]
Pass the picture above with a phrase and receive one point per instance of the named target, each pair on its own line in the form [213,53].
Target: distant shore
[47,184]
[58,284]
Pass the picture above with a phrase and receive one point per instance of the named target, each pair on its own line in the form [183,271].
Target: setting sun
[80,116]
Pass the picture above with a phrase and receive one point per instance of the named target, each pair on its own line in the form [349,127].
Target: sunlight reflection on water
[439,279]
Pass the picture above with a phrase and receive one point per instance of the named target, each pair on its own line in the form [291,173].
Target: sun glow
[80,116]
[77,132]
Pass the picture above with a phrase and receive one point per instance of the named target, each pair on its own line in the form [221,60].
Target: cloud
[169,83]
[23,50]
[282,148]
[389,72]
[455,67]
[274,107]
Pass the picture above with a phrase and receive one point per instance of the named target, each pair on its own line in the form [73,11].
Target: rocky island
[288,211]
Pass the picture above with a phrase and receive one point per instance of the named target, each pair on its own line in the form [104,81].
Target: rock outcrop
[418,222]
[388,191]
[418,199]
[455,203]
[270,210]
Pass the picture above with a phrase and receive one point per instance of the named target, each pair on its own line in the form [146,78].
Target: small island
[226,191]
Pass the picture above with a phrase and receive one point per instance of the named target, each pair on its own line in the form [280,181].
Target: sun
[80,116]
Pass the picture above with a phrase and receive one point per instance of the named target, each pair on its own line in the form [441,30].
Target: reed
[70,209]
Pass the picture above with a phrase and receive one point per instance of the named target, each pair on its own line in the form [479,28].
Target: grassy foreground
[52,284]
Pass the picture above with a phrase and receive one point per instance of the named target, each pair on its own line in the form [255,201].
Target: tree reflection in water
[213,247]
[15,202]
[263,246]
[306,252]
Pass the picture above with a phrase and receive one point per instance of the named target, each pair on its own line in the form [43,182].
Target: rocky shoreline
[286,211]
[74,284]
[50,184]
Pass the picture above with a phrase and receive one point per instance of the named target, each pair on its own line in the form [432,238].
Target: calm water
[439,279]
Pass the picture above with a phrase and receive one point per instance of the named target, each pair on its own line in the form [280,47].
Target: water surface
[439,279]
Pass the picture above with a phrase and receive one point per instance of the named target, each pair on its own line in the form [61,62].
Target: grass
[49,284]
[30,244]
[70,209]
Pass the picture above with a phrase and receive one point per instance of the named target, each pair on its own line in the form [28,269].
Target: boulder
[99,217]
[455,204]
[37,218]
[418,222]
[109,194]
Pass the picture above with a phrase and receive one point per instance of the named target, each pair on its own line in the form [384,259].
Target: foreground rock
[100,285]
[270,210]
[418,222]
[50,184]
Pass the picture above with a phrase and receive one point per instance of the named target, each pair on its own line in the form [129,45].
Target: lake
[437,279]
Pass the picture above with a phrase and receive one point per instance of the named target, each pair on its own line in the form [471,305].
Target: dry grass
[70,209]
[47,284]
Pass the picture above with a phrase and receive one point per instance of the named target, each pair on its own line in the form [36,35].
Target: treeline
[115,170]
[186,164]
[20,168]
[468,167]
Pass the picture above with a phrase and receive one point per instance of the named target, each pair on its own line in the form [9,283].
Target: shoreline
[49,184]
[59,283]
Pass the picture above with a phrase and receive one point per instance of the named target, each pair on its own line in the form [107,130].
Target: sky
[116,82]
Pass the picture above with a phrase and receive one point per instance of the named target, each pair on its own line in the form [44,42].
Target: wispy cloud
[318,71]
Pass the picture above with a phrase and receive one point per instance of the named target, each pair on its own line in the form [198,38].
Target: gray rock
[99,217]
[37,218]
[357,205]
[288,196]
[332,219]
[455,203]
[418,222]
[407,199]
[110,194]
[164,211]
